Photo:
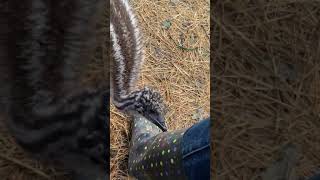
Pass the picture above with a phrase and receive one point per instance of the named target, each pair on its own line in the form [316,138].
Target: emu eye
[152,111]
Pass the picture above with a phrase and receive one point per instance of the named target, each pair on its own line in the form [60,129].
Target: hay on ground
[266,86]
[176,35]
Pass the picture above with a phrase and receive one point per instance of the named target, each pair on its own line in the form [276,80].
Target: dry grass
[179,71]
[266,93]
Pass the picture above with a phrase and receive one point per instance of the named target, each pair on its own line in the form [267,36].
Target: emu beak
[160,122]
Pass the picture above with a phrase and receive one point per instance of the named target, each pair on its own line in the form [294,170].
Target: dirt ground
[176,35]
[266,96]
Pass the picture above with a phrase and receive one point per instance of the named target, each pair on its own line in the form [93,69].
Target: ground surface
[176,35]
[266,94]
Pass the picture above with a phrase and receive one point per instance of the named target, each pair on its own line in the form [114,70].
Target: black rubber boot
[155,154]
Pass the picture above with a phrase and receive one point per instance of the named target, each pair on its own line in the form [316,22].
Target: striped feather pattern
[53,113]
[126,60]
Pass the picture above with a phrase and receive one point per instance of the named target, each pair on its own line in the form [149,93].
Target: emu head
[146,102]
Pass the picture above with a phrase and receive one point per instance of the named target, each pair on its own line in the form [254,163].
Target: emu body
[54,112]
[127,58]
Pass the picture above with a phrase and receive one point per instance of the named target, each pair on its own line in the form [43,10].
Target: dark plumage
[148,103]
[127,59]
[54,112]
